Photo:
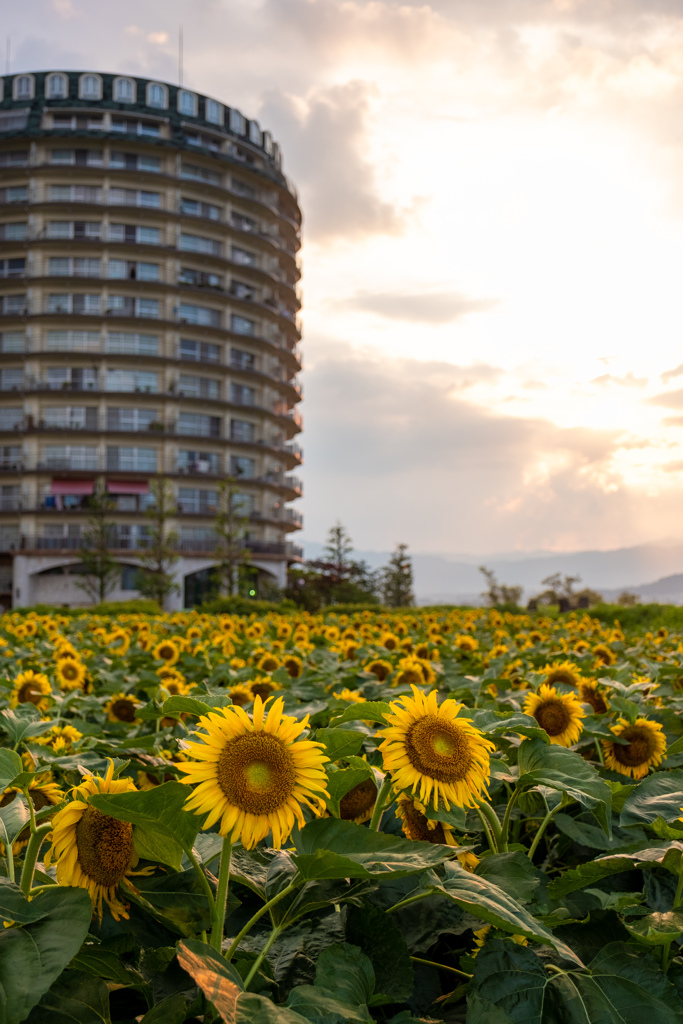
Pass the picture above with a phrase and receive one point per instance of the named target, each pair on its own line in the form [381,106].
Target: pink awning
[127,487]
[72,486]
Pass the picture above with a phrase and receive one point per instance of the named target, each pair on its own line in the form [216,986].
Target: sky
[492,194]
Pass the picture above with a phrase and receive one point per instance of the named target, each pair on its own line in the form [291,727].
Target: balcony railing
[136,542]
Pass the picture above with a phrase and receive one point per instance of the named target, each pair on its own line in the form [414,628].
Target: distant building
[148,325]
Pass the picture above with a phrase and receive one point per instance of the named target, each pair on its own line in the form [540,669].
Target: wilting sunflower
[121,708]
[645,747]
[31,688]
[429,749]
[255,773]
[564,672]
[591,693]
[167,650]
[359,802]
[70,673]
[559,714]
[92,850]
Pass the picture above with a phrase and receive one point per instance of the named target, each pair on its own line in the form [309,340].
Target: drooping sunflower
[92,850]
[358,804]
[31,688]
[563,672]
[417,826]
[122,708]
[43,792]
[591,693]
[559,714]
[70,673]
[253,774]
[429,749]
[644,750]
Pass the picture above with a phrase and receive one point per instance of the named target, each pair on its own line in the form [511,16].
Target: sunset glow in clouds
[493,210]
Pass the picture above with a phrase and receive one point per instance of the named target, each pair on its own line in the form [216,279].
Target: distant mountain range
[455,579]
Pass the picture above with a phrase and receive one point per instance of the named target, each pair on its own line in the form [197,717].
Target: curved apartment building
[148,327]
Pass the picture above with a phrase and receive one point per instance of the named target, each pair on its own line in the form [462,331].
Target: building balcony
[122,542]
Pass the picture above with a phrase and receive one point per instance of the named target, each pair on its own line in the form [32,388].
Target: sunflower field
[415,816]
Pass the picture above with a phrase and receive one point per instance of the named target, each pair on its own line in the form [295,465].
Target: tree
[338,553]
[230,527]
[155,579]
[334,579]
[100,570]
[628,599]
[499,593]
[396,579]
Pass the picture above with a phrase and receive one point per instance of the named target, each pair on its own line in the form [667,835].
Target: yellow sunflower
[353,696]
[61,738]
[167,650]
[559,714]
[263,688]
[429,749]
[468,644]
[70,673]
[603,655]
[121,708]
[240,694]
[293,664]
[563,672]
[255,773]
[591,693]
[31,688]
[380,668]
[268,663]
[645,747]
[92,850]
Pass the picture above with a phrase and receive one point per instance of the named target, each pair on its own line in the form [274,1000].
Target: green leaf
[50,931]
[511,980]
[658,795]
[178,901]
[658,929]
[492,904]
[320,1007]
[631,987]
[20,724]
[103,963]
[497,723]
[74,998]
[346,972]
[512,872]
[340,743]
[175,706]
[360,853]
[368,711]
[171,1010]
[15,816]
[381,940]
[157,846]
[10,766]
[159,809]
[667,854]
[586,835]
[565,770]
[222,985]
[341,782]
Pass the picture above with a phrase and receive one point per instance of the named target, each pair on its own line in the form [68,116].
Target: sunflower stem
[407,901]
[259,959]
[487,831]
[381,804]
[544,824]
[257,916]
[441,967]
[199,871]
[221,896]
[679,890]
[601,756]
[33,849]
[499,834]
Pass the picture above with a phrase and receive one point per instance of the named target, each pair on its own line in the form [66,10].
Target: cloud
[323,136]
[670,374]
[158,37]
[430,307]
[394,448]
[669,399]
[673,421]
[629,381]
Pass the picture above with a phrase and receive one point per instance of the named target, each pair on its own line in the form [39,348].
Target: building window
[198,387]
[237,122]
[199,315]
[242,430]
[187,103]
[254,133]
[13,120]
[214,112]
[199,351]
[90,87]
[240,394]
[199,425]
[241,325]
[57,87]
[156,95]
[125,343]
[124,90]
[197,243]
[132,380]
[23,87]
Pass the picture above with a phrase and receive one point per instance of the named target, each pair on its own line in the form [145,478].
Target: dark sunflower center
[591,696]
[416,827]
[561,675]
[166,653]
[256,773]
[411,675]
[105,847]
[262,689]
[69,670]
[123,710]
[240,699]
[30,693]
[553,716]
[640,747]
[358,800]
[381,671]
[39,799]
[293,668]
[269,664]
[439,749]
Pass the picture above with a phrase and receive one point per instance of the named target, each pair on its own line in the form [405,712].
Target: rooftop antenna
[7,55]
[180,56]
